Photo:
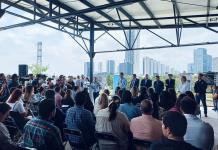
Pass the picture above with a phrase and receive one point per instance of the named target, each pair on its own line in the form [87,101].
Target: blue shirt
[81,119]
[130,110]
[200,134]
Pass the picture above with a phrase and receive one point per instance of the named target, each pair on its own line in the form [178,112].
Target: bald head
[146,107]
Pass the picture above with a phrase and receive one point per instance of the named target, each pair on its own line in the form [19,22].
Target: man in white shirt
[200,134]
[184,85]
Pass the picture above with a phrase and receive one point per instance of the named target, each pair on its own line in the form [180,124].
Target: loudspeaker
[23,70]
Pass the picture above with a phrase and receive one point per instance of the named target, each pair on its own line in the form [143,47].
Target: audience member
[68,100]
[79,118]
[176,107]
[110,120]
[165,101]
[96,87]
[155,99]
[88,103]
[5,139]
[15,102]
[146,127]
[135,97]
[58,97]
[117,91]
[198,133]
[106,91]
[174,127]
[142,94]
[13,82]
[4,91]
[102,103]
[40,133]
[127,107]
[173,96]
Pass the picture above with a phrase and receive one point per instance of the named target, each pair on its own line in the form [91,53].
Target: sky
[64,56]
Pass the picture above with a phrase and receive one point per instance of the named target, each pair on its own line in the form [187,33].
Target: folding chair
[107,141]
[141,144]
[77,133]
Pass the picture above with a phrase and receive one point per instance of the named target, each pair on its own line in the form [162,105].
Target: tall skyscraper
[209,63]
[146,66]
[87,69]
[126,68]
[215,64]
[200,60]
[132,57]
[110,66]
[191,68]
[39,53]
[100,67]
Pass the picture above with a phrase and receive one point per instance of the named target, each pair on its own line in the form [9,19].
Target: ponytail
[114,104]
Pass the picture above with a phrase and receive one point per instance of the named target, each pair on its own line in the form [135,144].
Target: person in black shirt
[200,90]
[174,127]
[158,85]
[170,83]
[134,81]
[146,82]
[13,82]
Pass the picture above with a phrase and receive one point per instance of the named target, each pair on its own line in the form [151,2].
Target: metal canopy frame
[76,22]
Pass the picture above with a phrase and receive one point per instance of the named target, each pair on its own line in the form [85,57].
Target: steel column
[92,50]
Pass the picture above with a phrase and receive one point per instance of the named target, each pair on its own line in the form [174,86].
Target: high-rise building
[100,67]
[126,68]
[191,68]
[132,57]
[110,66]
[163,69]
[200,60]
[87,69]
[39,54]
[209,63]
[146,65]
[215,64]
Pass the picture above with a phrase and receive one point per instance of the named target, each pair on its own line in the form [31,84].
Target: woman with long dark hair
[110,120]
[154,98]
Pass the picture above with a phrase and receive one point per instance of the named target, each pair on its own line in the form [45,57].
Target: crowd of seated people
[162,118]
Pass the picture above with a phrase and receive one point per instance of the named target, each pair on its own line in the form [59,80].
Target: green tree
[109,80]
[38,69]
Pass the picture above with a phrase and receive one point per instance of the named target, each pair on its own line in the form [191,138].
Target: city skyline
[202,61]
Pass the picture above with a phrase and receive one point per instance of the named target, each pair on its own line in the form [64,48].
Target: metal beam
[31,22]
[204,26]
[46,25]
[161,18]
[76,13]
[208,11]
[92,50]
[101,13]
[159,47]
[149,12]
[50,11]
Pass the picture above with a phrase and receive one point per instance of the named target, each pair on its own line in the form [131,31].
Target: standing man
[122,81]
[170,83]
[134,82]
[158,85]
[146,82]
[200,90]
[96,86]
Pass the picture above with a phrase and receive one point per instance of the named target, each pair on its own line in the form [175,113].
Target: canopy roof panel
[121,14]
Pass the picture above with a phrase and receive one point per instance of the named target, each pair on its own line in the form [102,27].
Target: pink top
[58,99]
[146,127]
